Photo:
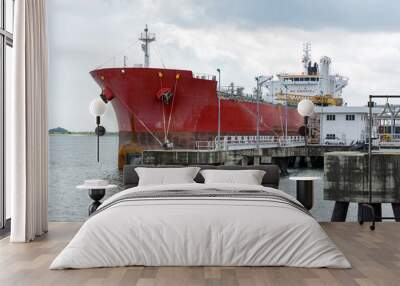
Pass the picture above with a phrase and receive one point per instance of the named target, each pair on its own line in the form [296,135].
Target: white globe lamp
[305,107]
[97,108]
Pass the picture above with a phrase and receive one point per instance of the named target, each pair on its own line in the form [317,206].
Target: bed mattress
[201,225]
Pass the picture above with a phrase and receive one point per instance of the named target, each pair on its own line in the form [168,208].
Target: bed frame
[271,178]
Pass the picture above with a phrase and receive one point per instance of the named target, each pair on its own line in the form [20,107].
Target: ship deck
[375,257]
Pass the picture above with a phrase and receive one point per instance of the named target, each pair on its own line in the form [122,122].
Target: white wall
[347,130]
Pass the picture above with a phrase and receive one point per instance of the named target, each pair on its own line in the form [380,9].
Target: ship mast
[306,56]
[146,38]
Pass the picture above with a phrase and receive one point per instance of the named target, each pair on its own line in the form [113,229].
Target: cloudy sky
[242,38]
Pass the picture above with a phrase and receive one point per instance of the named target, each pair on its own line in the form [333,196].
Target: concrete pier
[282,156]
[346,180]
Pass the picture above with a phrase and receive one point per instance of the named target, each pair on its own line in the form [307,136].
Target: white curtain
[27,123]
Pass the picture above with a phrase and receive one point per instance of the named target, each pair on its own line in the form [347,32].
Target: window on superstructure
[331,117]
[330,136]
[350,117]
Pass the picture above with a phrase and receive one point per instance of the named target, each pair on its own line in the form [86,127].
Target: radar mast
[146,38]
[306,60]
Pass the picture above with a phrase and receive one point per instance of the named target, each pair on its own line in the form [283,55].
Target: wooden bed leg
[396,211]
[340,211]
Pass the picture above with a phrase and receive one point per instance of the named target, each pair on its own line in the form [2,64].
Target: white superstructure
[316,83]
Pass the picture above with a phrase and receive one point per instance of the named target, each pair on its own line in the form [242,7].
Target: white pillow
[248,177]
[166,176]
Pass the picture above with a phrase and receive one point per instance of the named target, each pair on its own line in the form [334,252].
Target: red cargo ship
[158,108]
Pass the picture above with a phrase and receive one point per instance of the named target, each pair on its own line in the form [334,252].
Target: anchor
[165,95]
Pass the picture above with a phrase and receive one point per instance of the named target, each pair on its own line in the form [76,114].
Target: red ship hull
[192,113]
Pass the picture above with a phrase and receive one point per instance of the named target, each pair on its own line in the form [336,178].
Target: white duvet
[193,231]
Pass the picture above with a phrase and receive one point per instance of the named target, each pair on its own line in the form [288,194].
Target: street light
[305,108]
[258,111]
[219,109]
[260,80]
[97,108]
[286,113]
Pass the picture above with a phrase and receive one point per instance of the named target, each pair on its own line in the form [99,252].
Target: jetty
[283,156]
[346,181]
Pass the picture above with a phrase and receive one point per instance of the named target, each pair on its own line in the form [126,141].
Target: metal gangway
[228,143]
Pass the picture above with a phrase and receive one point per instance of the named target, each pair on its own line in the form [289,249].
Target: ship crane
[147,38]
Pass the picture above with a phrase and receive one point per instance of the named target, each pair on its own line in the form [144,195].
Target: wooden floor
[375,257]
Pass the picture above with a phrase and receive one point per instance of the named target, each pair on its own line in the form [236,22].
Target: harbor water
[72,159]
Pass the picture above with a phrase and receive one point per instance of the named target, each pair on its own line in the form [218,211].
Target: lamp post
[97,108]
[219,109]
[260,80]
[286,112]
[305,108]
[258,112]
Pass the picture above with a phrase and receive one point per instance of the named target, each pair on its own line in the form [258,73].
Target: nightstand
[96,193]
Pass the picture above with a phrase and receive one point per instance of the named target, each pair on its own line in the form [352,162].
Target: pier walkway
[229,143]
[269,154]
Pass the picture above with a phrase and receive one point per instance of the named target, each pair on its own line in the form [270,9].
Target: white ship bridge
[315,82]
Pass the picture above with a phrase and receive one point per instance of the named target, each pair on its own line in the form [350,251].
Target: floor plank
[375,257]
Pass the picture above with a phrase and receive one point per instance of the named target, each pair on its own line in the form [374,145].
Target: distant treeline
[63,131]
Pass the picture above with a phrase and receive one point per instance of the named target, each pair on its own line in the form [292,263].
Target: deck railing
[230,142]
[389,140]
[204,76]
[389,137]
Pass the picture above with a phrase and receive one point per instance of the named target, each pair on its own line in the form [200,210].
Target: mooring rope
[173,101]
[160,75]
[147,129]
[165,129]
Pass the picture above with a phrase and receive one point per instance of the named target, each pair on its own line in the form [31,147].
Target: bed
[198,224]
